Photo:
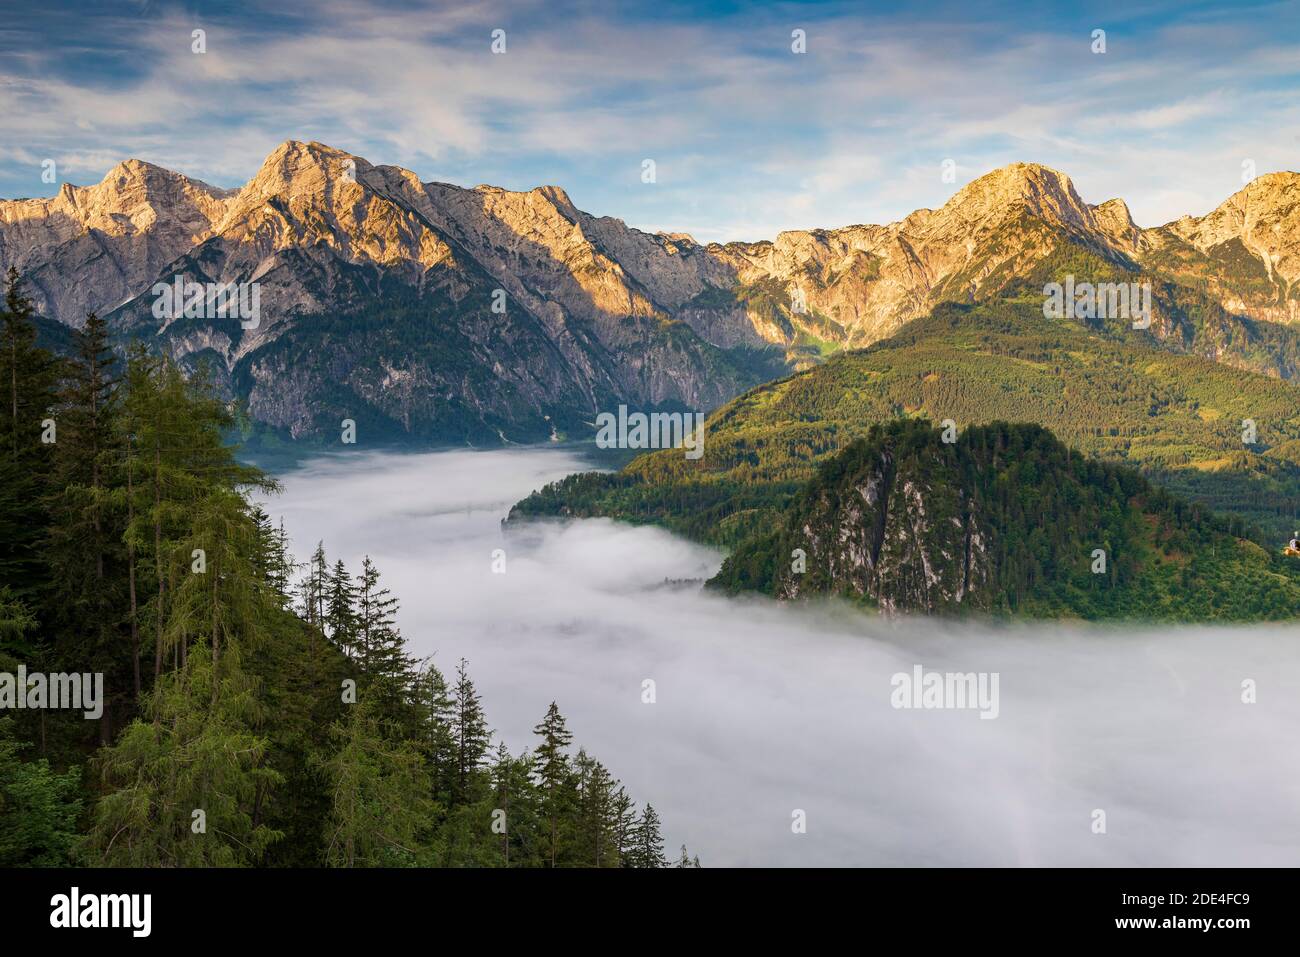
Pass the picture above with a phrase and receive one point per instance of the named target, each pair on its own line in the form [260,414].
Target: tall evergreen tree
[83,545]
[27,384]
[439,716]
[554,776]
[219,598]
[381,649]
[647,841]
[129,428]
[597,820]
[341,609]
[515,796]
[314,586]
[275,564]
[176,457]
[182,791]
[624,816]
[380,794]
[471,731]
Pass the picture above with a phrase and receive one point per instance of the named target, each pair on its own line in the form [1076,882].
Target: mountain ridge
[988,200]
[603,312]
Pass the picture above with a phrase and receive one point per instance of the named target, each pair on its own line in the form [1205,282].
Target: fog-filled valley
[762,710]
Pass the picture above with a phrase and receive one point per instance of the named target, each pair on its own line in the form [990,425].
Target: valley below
[765,711]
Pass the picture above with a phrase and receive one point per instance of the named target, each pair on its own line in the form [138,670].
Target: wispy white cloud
[750,137]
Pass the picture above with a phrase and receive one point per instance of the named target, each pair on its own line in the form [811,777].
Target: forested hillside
[256,711]
[1005,519]
[1181,420]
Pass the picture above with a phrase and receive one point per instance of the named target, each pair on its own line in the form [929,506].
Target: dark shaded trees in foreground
[257,711]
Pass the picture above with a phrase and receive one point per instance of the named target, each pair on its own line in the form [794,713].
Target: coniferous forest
[257,710]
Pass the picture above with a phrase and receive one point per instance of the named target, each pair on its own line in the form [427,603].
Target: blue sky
[748,137]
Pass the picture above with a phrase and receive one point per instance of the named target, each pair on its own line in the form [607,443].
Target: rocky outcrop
[902,532]
[917,519]
[1247,250]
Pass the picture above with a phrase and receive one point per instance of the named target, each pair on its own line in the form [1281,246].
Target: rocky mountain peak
[1114,219]
[1019,188]
[556,195]
[1263,217]
[295,169]
[132,197]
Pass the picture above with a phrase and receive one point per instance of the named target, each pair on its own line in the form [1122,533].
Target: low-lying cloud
[763,710]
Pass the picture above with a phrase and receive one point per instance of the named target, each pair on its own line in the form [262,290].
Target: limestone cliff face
[608,311]
[92,248]
[910,519]
[871,280]
[1264,215]
[1247,250]
[903,532]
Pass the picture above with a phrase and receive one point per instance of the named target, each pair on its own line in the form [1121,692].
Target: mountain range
[440,314]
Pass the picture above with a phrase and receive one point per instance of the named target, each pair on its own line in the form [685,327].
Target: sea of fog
[762,710]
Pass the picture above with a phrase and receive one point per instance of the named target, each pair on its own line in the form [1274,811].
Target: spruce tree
[314,585]
[381,649]
[83,544]
[598,821]
[341,609]
[439,718]
[503,787]
[624,817]
[647,841]
[27,383]
[554,776]
[472,734]
[515,795]
[275,564]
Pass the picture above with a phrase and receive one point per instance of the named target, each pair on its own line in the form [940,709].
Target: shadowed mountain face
[437,313]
